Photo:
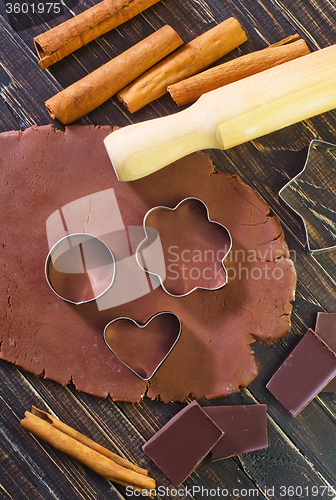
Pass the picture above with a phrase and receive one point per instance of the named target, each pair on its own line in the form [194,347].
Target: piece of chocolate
[244,426]
[182,443]
[54,183]
[325,328]
[310,366]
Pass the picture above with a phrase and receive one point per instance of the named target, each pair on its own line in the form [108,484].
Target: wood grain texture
[28,106]
[302,450]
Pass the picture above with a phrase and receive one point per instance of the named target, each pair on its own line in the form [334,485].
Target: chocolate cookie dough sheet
[45,172]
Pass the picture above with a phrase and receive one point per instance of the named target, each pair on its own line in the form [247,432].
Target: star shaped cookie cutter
[311,194]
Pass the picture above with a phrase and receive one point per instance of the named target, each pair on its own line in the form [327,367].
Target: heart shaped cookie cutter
[80,268]
[143,352]
[202,260]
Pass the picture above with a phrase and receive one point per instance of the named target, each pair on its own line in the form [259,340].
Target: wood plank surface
[302,451]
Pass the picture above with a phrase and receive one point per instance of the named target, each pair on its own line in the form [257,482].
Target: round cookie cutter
[173,330]
[80,268]
[138,250]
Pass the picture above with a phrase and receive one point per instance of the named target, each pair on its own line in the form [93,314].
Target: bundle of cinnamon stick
[66,439]
[153,66]
[183,63]
[94,89]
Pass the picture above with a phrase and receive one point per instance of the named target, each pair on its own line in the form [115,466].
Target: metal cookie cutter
[80,268]
[312,196]
[188,258]
[143,351]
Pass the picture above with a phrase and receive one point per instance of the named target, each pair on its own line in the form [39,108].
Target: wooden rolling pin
[229,116]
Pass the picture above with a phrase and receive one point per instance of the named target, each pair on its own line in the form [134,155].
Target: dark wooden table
[300,461]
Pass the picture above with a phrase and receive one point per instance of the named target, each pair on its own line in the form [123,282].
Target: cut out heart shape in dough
[143,347]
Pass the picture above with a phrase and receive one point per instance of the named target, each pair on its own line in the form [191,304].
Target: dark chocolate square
[305,372]
[183,442]
[326,329]
[244,426]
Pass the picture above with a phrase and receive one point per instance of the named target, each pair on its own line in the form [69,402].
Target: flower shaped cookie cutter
[80,268]
[184,248]
[311,194]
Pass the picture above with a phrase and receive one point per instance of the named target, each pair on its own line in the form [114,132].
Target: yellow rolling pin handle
[228,116]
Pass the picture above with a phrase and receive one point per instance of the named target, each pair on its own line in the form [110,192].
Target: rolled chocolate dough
[53,183]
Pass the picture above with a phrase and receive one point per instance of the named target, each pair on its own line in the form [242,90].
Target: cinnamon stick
[69,36]
[97,87]
[43,426]
[66,429]
[192,88]
[188,60]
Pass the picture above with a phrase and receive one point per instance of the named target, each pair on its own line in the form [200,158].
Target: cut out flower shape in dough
[193,248]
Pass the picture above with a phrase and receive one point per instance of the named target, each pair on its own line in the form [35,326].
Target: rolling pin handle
[148,146]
